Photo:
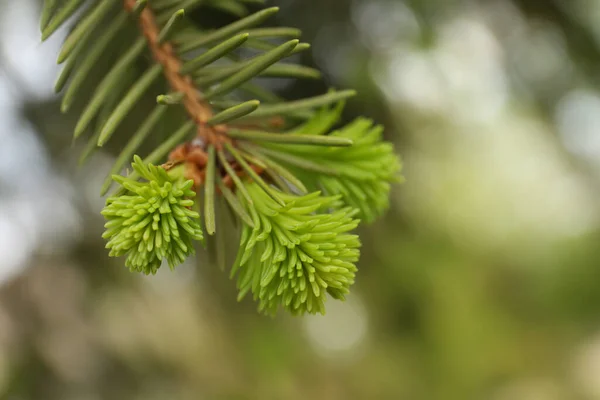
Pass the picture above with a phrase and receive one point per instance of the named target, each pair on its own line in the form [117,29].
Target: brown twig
[192,154]
[164,54]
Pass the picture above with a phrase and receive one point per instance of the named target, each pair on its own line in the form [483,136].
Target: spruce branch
[297,185]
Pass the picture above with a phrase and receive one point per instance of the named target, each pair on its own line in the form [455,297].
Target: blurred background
[482,281]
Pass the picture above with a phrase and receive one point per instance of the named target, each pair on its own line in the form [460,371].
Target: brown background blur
[482,281]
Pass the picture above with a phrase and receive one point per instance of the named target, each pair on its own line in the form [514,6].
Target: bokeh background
[482,281]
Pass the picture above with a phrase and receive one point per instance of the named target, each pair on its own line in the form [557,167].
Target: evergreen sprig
[297,184]
[362,174]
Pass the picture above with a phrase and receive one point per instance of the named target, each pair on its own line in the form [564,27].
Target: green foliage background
[481,282]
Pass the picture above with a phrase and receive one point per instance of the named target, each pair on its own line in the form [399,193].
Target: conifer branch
[296,187]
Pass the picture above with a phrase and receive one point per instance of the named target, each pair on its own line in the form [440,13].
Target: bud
[152,221]
[297,253]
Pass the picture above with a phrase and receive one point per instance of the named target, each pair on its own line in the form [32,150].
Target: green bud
[296,253]
[152,222]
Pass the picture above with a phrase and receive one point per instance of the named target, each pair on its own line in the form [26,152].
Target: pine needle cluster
[295,253]
[153,221]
